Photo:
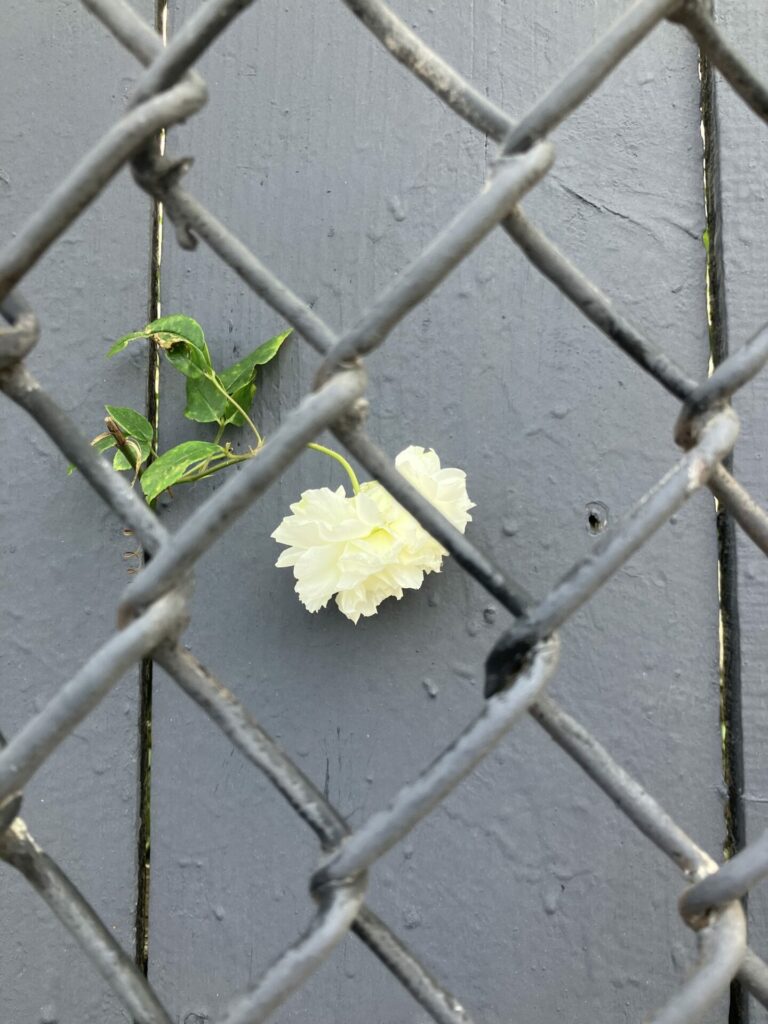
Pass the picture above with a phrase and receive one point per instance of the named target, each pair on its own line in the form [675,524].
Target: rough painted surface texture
[64,82]
[743,155]
[525,889]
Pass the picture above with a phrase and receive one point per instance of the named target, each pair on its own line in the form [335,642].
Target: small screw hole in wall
[597,516]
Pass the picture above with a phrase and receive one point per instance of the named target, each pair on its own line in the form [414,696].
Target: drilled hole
[597,517]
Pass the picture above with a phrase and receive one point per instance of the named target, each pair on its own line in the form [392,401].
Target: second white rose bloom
[366,548]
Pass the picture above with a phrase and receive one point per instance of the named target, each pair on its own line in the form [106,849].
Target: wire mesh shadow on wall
[152,613]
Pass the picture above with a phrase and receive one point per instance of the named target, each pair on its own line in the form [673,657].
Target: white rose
[367,548]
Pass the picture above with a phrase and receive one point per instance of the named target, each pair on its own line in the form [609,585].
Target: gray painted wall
[525,892]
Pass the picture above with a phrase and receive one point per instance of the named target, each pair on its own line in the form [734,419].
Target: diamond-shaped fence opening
[152,613]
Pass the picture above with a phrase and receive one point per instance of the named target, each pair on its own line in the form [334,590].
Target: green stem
[207,470]
[130,453]
[219,432]
[220,388]
[341,460]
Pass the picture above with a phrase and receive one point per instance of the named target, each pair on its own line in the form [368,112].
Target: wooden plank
[743,152]
[65,81]
[525,889]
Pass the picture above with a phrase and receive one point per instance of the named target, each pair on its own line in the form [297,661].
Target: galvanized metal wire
[152,613]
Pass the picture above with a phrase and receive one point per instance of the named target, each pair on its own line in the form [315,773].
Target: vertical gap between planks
[147,665]
[728,598]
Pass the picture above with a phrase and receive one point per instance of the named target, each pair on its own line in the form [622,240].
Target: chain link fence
[152,612]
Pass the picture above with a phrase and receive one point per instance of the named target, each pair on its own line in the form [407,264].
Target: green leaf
[240,378]
[184,343]
[171,466]
[102,443]
[126,339]
[187,359]
[182,339]
[182,326]
[132,423]
[120,463]
[138,433]
[244,398]
[205,404]
[240,374]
